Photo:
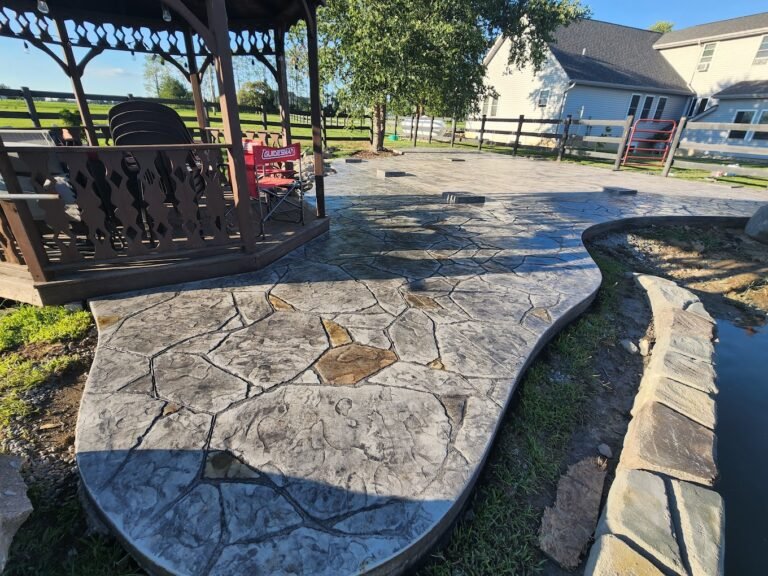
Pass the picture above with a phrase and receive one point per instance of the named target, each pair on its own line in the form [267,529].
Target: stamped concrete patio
[330,414]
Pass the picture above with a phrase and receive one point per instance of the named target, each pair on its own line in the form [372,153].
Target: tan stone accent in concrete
[103,322]
[279,304]
[612,557]
[662,440]
[567,526]
[437,364]
[421,302]
[349,364]
[337,334]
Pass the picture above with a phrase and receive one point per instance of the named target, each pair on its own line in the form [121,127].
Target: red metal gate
[649,142]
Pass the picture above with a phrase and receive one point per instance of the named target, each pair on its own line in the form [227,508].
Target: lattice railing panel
[121,203]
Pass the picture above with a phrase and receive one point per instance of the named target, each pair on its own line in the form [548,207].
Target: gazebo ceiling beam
[92,53]
[171,60]
[40,45]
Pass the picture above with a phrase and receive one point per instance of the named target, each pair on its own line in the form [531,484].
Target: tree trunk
[379,126]
[416,125]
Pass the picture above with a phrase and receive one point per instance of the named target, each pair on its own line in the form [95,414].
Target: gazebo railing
[113,204]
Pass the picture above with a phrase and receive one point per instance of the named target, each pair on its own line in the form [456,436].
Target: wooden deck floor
[80,284]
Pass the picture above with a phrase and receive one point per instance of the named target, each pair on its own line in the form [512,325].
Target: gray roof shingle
[735,26]
[748,89]
[595,51]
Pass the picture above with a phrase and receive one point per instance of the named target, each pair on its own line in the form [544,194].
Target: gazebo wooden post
[282,85]
[75,74]
[233,134]
[315,109]
[195,81]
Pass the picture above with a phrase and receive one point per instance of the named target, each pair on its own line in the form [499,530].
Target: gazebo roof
[257,15]
[139,26]
[243,14]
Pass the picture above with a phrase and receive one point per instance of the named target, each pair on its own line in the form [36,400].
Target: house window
[763,119]
[698,106]
[762,53]
[633,104]
[660,108]
[742,117]
[494,105]
[485,106]
[706,57]
[543,98]
[647,105]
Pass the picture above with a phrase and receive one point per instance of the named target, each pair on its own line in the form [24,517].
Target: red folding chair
[272,183]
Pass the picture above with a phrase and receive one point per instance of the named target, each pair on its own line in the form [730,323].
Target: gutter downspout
[571,86]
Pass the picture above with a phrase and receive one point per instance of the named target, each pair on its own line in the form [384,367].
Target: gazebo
[102,241]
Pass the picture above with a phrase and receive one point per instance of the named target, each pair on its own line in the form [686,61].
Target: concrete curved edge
[406,556]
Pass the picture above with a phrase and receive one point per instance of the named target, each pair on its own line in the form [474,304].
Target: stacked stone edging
[661,515]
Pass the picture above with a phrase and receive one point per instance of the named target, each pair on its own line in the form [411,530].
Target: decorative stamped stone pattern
[214,437]
[274,350]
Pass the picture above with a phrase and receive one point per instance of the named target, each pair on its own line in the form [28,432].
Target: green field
[249,121]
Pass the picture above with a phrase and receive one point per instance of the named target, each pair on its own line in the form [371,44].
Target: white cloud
[108,72]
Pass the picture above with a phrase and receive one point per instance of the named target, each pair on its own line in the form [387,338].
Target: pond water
[742,445]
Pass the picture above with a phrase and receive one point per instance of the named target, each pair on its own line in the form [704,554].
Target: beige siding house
[594,70]
[599,70]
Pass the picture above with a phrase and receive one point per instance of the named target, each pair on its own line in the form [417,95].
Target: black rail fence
[355,129]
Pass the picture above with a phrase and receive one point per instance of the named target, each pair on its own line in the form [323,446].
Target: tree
[174,89]
[164,81]
[662,26]
[429,53]
[258,95]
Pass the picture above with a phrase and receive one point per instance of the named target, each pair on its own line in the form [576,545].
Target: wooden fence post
[396,121]
[564,139]
[624,141]
[673,147]
[482,133]
[431,127]
[453,132]
[325,131]
[418,125]
[520,122]
[21,222]
[27,95]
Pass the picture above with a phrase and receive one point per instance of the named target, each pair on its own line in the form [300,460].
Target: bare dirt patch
[724,267]
[369,155]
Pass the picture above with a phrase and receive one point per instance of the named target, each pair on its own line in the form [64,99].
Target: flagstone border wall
[662,515]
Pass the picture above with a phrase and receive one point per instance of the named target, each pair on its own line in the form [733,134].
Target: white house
[599,70]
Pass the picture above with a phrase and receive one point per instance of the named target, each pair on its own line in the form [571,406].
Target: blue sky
[118,73]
